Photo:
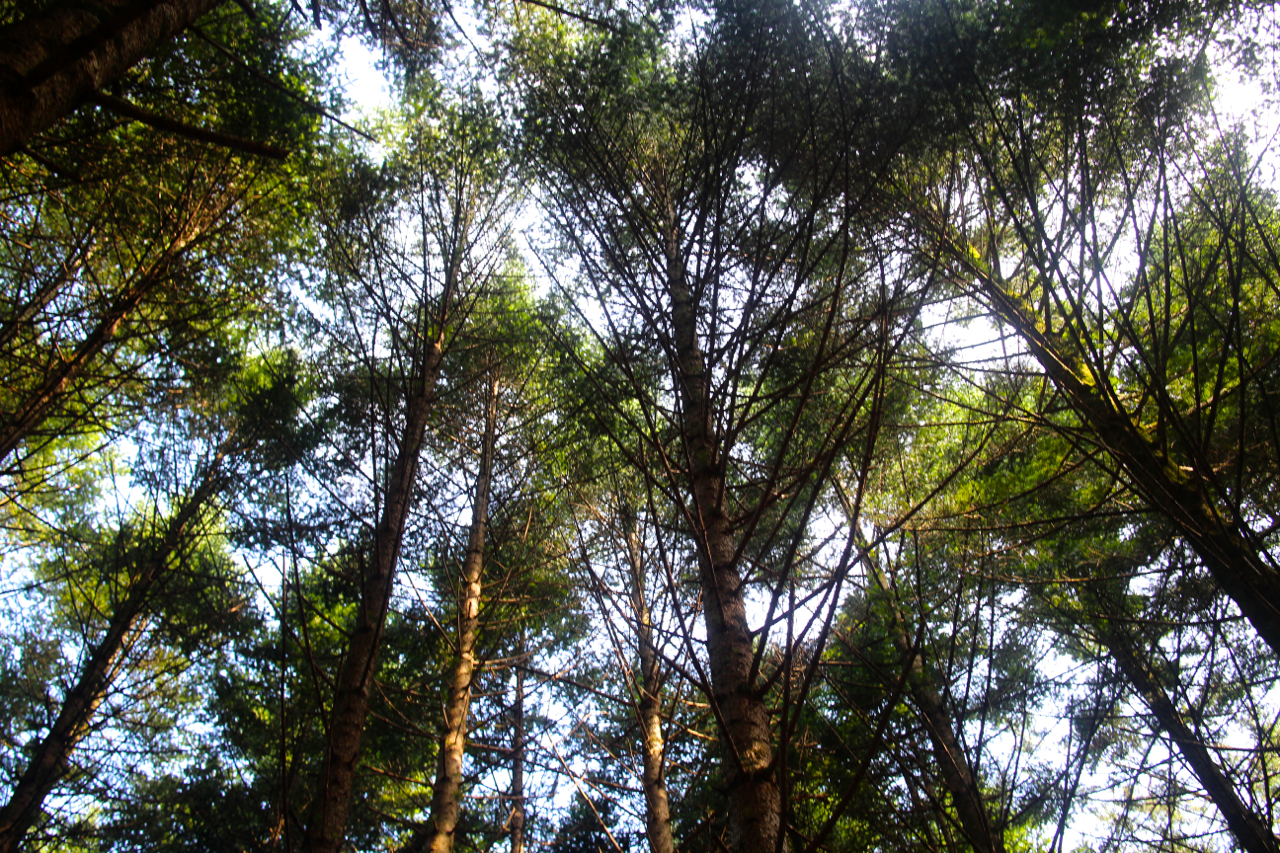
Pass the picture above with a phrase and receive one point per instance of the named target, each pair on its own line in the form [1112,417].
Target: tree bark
[50,761]
[649,709]
[437,834]
[755,804]
[1183,496]
[52,61]
[328,826]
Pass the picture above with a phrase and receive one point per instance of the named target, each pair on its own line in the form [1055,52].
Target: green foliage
[942,541]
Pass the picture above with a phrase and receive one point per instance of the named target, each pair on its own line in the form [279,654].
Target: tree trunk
[958,775]
[649,709]
[438,833]
[328,827]
[52,61]
[1251,831]
[517,756]
[30,412]
[1183,496]
[49,762]
[755,805]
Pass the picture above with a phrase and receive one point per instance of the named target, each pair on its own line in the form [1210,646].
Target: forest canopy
[748,426]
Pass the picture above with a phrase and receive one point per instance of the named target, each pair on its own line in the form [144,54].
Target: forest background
[751,425]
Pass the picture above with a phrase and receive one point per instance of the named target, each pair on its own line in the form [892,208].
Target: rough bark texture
[328,827]
[755,807]
[50,760]
[953,763]
[649,709]
[52,61]
[1183,496]
[446,797]
[1251,831]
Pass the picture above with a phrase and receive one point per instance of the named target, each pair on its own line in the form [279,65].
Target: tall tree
[1070,173]
[706,223]
[438,834]
[415,287]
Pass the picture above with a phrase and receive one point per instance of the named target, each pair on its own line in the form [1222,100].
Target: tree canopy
[745,426]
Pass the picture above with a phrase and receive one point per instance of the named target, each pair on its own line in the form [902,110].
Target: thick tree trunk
[1251,830]
[328,827]
[1183,496]
[755,805]
[649,709]
[50,761]
[957,773]
[438,833]
[50,62]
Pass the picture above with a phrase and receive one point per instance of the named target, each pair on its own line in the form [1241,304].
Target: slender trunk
[328,827]
[1251,831]
[438,833]
[957,773]
[517,756]
[43,295]
[755,804]
[31,411]
[50,62]
[649,709]
[49,762]
[1183,496]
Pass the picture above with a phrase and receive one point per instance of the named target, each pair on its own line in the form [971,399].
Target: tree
[62,53]
[708,225]
[134,261]
[1040,244]
[151,561]
[414,288]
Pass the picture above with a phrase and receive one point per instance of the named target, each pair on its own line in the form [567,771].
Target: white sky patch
[365,86]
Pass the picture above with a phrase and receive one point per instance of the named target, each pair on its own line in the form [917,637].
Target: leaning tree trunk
[518,814]
[328,827]
[649,709]
[51,61]
[1252,832]
[1181,495]
[438,833]
[755,804]
[50,759]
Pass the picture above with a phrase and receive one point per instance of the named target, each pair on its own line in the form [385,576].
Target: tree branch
[123,108]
